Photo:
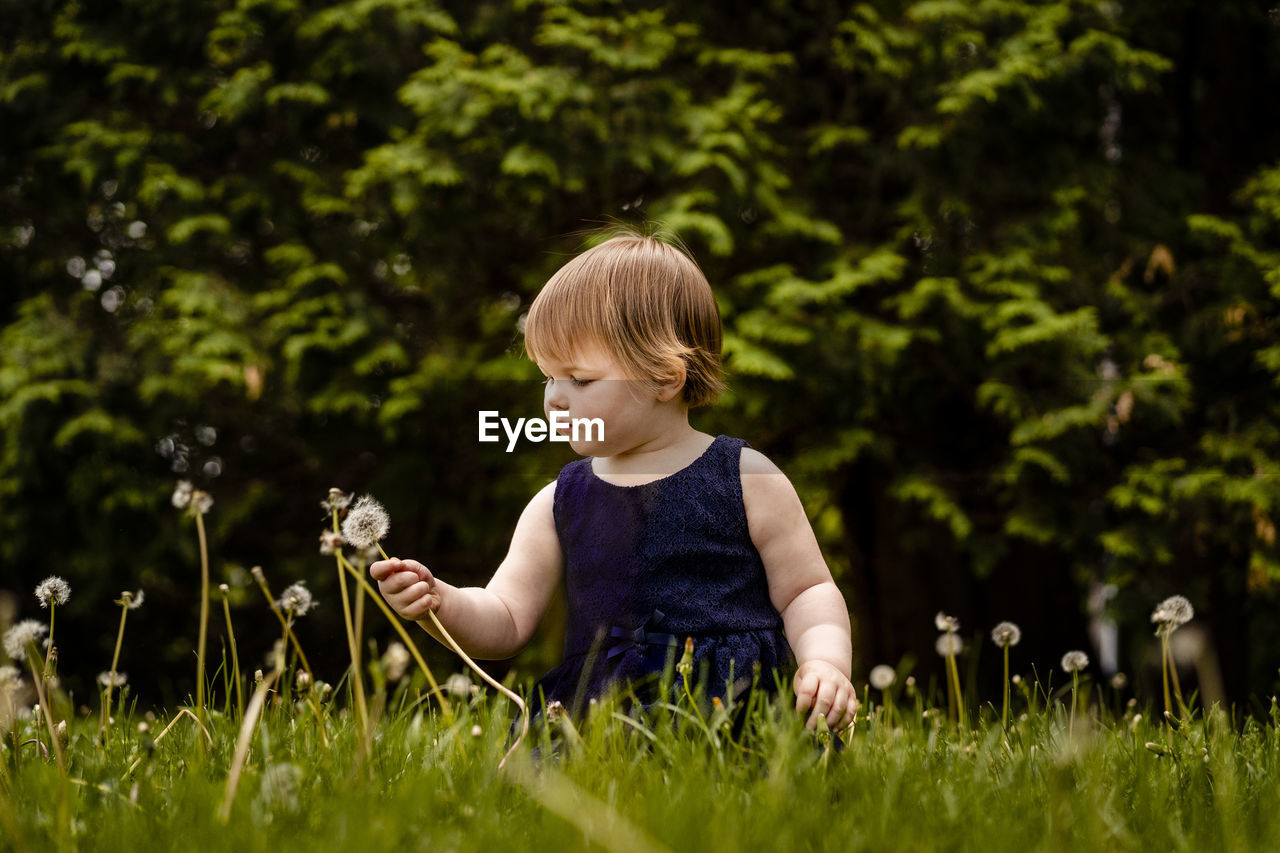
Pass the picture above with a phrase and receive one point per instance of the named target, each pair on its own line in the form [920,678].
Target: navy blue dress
[647,566]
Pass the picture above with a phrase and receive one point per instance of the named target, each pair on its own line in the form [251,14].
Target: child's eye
[580,383]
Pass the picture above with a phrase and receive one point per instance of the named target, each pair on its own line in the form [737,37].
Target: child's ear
[674,387]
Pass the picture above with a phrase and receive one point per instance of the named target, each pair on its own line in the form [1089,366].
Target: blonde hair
[646,303]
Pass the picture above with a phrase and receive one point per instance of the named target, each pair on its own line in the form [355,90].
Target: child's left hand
[825,689]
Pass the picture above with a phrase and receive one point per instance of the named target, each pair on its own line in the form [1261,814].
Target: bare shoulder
[764,487]
[538,516]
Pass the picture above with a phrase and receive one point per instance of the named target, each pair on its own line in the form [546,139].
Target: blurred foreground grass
[906,780]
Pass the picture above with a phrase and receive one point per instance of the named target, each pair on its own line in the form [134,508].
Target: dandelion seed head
[182,494]
[338,500]
[458,685]
[202,501]
[476,731]
[366,524]
[945,622]
[331,542]
[1074,661]
[1006,634]
[1173,612]
[949,644]
[112,679]
[280,789]
[395,661]
[1119,680]
[303,680]
[9,677]
[26,633]
[53,590]
[296,600]
[132,600]
[882,677]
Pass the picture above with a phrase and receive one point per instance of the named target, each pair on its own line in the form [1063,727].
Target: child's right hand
[408,586]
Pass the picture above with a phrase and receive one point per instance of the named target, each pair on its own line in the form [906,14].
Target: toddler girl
[662,532]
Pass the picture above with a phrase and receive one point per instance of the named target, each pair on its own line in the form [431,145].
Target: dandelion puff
[395,661]
[458,685]
[182,494]
[945,622]
[201,501]
[9,677]
[366,524]
[53,590]
[338,501]
[1172,613]
[949,644]
[296,600]
[1006,634]
[1074,661]
[882,677]
[330,542]
[136,599]
[112,679]
[26,633]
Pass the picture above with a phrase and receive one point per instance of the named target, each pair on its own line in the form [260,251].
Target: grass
[301,764]
[649,781]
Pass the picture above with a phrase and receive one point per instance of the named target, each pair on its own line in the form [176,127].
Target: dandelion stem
[1165,655]
[353,646]
[33,657]
[288,631]
[178,716]
[104,720]
[1004,713]
[396,623]
[235,658]
[1071,718]
[204,612]
[953,676]
[53,612]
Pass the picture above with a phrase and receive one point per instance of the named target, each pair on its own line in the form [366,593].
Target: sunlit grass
[630,780]
[305,764]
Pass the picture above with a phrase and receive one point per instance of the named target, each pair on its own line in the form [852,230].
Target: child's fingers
[385,568]
[841,707]
[424,601]
[806,687]
[825,698]
[397,582]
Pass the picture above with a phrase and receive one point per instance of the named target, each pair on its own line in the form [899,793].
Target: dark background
[999,284]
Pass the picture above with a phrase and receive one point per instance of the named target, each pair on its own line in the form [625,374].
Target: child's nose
[555,397]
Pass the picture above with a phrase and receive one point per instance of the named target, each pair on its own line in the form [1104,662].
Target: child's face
[592,385]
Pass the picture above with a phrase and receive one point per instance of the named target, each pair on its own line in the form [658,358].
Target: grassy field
[390,762]
[673,777]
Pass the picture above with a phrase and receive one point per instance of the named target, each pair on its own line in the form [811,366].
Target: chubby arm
[813,611]
[497,620]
